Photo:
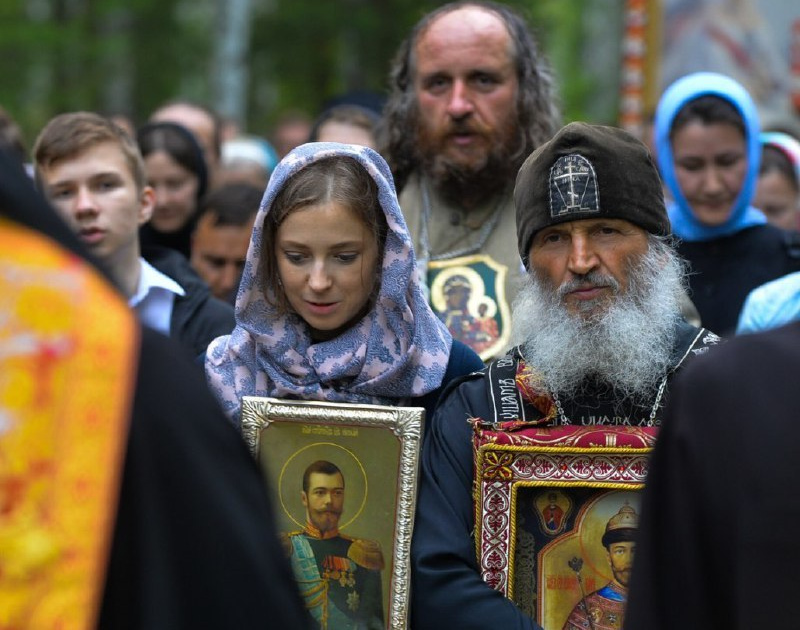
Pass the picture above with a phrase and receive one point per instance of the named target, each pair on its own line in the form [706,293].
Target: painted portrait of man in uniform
[604,608]
[338,575]
[573,553]
[343,477]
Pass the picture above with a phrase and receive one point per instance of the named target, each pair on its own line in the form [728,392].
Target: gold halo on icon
[295,466]
[491,308]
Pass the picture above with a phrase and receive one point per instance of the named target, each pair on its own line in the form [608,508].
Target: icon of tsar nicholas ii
[604,608]
[338,576]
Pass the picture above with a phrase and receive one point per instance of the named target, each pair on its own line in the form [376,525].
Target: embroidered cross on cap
[573,186]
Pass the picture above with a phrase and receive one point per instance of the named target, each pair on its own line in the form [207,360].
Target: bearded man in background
[471,97]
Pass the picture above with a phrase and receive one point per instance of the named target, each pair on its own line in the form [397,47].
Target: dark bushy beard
[625,345]
[469,186]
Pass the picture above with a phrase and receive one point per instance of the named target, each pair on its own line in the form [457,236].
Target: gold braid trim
[366,553]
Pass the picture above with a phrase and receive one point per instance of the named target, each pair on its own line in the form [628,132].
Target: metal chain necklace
[486,230]
[651,421]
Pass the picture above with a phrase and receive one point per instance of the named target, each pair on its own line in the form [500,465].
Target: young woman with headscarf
[330,306]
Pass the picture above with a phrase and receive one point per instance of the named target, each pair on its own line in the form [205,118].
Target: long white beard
[626,344]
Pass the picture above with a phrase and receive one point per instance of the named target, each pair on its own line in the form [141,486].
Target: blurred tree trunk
[603,28]
[35,78]
[68,60]
[117,61]
[230,71]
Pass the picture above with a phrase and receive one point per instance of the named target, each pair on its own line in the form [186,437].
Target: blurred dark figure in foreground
[718,543]
[127,500]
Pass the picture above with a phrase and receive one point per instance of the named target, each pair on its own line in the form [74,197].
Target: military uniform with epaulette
[339,578]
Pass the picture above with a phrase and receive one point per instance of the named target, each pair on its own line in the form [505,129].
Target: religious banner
[557,510]
[68,347]
[755,42]
[639,77]
[751,41]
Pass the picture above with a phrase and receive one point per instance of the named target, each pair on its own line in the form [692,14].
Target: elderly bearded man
[600,334]
[472,96]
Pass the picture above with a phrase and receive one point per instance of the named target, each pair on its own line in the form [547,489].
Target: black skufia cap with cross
[588,172]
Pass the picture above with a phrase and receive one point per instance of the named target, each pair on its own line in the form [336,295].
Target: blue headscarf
[684,223]
[399,350]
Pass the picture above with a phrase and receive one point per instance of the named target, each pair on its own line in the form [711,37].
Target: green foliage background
[127,56]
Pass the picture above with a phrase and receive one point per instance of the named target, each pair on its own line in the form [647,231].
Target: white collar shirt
[155,297]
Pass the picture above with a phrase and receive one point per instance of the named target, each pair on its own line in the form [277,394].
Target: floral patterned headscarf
[399,349]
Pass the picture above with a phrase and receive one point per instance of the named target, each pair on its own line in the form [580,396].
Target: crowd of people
[453,247]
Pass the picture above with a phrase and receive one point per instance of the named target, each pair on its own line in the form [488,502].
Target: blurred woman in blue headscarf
[708,150]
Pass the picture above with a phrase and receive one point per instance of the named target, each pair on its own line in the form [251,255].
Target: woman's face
[327,260]
[710,165]
[176,191]
[778,199]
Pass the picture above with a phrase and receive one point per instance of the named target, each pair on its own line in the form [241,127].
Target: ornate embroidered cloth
[67,345]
